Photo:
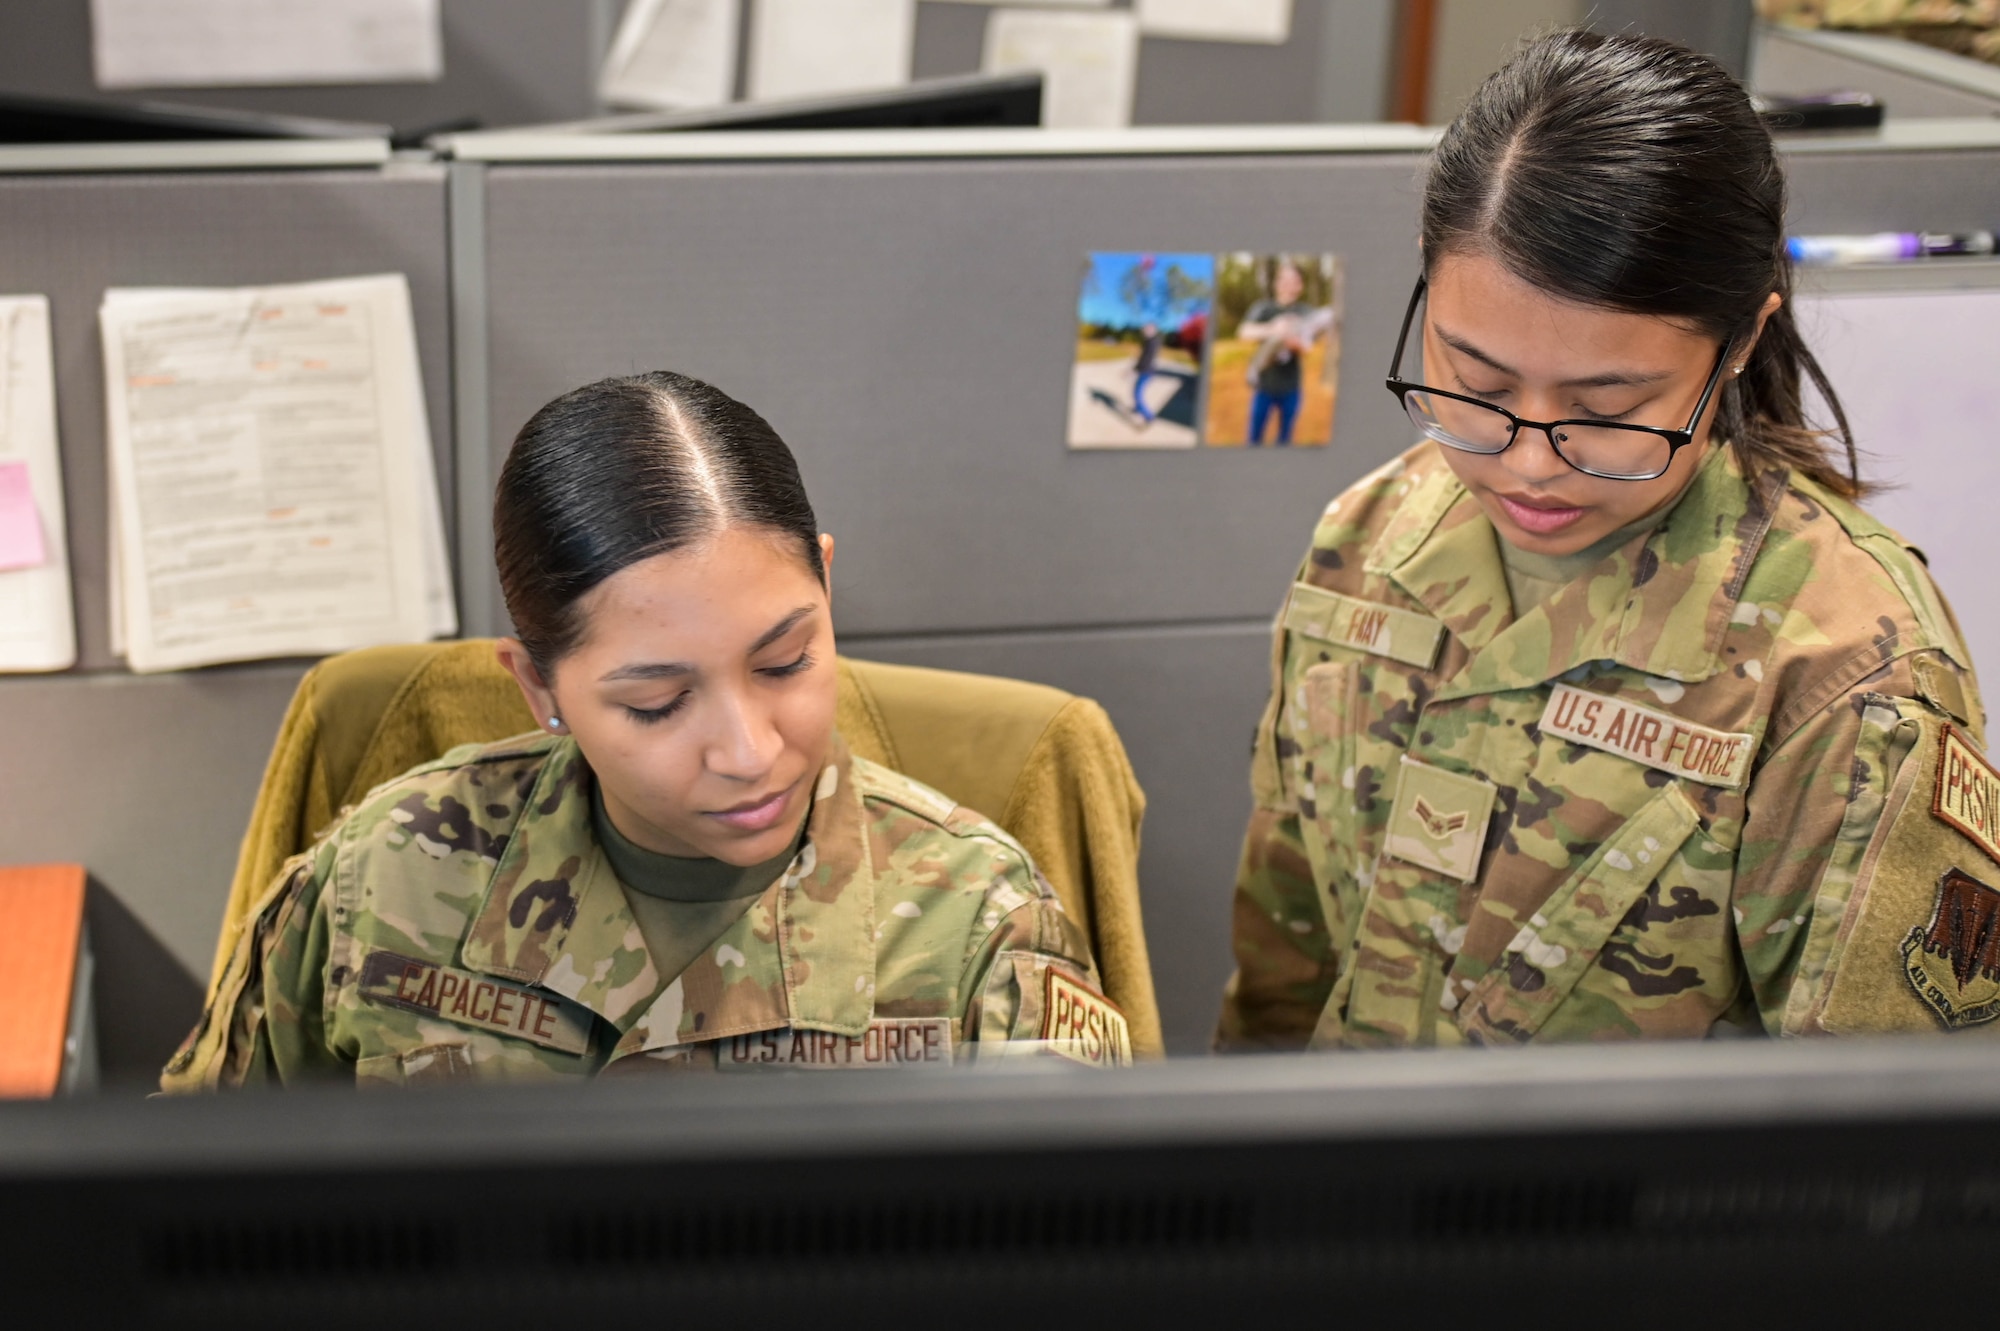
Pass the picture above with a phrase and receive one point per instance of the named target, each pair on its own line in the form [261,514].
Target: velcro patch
[1082,1025]
[889,1042]
[466,999]
[1383,630]
[1953,962]
[1968,792]
[1439,819]
[1647,735]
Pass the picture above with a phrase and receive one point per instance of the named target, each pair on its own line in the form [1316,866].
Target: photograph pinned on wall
[1274,357]
[1141,321]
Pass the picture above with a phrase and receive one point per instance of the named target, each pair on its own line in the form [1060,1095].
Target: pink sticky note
[20,525]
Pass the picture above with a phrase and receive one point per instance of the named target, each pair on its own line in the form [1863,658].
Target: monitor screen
[1753,1184]
[973,101]
[26,120]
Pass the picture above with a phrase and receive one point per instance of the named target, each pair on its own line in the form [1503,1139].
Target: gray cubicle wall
[148,780]
[904,317]
[908,324]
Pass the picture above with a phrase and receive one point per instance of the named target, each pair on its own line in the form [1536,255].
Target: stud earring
[555,723]
[1736,369]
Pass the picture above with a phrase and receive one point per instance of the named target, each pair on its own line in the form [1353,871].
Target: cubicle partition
[147,780]
[906,318]
[903,309]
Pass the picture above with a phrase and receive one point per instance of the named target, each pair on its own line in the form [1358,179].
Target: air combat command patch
[1954,962]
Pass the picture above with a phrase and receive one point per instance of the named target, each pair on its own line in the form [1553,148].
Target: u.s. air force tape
[889,1042]
[480,1001]
[1647,735]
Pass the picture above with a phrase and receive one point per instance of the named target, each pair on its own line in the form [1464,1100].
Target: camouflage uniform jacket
[463,922]
[1727,781]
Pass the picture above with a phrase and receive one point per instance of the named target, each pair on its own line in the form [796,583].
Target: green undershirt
[682,905]
[1533,579]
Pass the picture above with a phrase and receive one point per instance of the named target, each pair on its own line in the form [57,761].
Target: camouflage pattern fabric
[1697,791]
[1966,27]
[463,923]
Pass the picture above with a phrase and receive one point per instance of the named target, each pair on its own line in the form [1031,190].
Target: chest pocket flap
[1562,940]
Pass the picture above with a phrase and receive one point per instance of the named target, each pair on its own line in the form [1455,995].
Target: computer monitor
[1751,1184]
[59,120]
[972,101]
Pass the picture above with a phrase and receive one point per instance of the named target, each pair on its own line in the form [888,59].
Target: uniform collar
[1660,604]
[555,915]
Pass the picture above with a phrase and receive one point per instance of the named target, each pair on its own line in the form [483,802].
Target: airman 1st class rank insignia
[1439,819]
[1954,962]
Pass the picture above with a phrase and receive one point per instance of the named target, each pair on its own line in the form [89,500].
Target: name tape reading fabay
[889,1042]
[466,999]
[1647,735]
[1968,792]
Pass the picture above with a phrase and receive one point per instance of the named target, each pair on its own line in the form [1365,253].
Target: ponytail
[1762,412]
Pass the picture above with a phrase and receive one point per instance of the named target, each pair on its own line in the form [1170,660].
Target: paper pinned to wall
[272,481]
[1914,373]
[1089,62]
[809,48]
[216,43]
[37,625]
[1217,20]
[673,53]
[21,543]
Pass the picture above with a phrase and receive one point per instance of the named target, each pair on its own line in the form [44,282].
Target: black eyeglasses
[1610,449]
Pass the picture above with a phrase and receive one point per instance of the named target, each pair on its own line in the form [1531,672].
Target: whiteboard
[1917,373]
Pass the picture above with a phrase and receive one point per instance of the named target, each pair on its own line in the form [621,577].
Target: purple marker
[1886,246]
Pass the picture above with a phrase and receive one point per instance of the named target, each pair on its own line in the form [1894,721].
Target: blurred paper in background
[807,48]
[1217,20]
[1914,372]
[1089,62]
[214,43]
[670,54]
[37,626]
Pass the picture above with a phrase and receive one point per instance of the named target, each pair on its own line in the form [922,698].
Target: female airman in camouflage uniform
[1604,713]
[688,870]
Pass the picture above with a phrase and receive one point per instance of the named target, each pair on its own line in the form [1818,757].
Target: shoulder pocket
[1563,939]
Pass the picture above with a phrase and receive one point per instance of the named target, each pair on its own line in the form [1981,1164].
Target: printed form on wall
[37,628]
[273,490]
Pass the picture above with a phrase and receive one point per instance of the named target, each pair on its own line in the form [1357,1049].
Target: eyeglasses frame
[1676,439]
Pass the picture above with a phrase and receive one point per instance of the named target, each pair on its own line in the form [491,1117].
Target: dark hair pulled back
[622,470]
[1630,173]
